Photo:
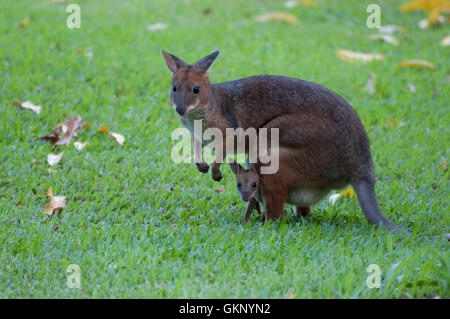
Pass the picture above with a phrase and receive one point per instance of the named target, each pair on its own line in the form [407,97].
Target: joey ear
[173,62]
[235,167]
[205,63]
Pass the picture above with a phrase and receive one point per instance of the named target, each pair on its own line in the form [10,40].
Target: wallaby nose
[180,110]
[246,196]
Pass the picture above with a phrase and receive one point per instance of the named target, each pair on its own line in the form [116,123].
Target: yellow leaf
[351,56]
[433,17]
[304,3]
[348,192]
[278,16]
[384,37]
[103,129]
[417,63]
[395,123]
[24,23]
[426,5]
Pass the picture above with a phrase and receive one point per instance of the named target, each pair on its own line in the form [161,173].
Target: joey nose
[180,110]
[246,196]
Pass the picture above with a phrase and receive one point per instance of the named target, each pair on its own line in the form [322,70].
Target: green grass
[139,225]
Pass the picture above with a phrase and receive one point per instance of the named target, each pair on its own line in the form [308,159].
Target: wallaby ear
[205,63]
[235,167]
[173,62]
[254,169]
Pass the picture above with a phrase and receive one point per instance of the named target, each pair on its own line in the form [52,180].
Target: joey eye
[254,185]
[174,88]
[196,89]
[239,185]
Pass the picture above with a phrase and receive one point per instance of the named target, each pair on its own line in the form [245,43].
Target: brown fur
[325,142]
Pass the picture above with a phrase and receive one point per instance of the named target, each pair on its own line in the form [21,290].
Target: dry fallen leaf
[56,203]
[370,86]
[426,5]
[444,166]
[220,189]
[384,37]
[79,146]
[28,105]
[348,192]
[417,63]
[278,16]
[157,26]
[116,136]
[304,3]
[351,56]
[412,88]
[24,23]
[445,42]
[54,159]
[395,123]
[69,128]
[390,28]
[63,132]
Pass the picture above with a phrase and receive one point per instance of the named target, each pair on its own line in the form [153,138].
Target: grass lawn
[139,225]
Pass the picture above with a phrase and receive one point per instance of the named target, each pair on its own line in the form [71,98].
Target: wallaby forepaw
[216,175]
[202,167]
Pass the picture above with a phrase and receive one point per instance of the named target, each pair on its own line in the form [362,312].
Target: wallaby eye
[239,185]
[254,185]
[174,88]
[196,89]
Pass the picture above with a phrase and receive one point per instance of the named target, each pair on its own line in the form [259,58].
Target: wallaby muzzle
[180,110]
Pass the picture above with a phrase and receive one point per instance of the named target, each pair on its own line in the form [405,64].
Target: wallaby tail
[366,195]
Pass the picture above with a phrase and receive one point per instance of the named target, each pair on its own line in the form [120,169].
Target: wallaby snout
[180,109]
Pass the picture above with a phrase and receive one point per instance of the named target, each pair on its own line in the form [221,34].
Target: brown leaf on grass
[417,64]
[54,159]
[64,132]
[69,128]
[350,56]
[220,189]
[278,16]
[395,123]
[57,203]
[370,86]
[444,166]
[384,37]
[120,139]
[28,105]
